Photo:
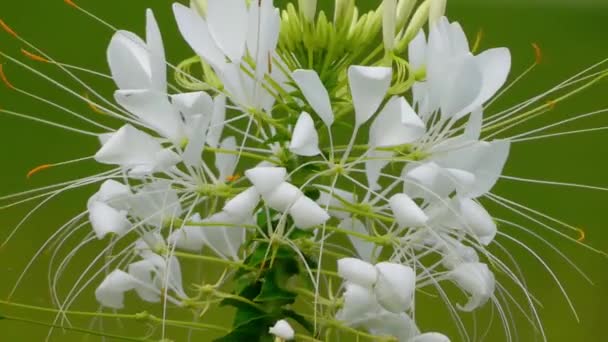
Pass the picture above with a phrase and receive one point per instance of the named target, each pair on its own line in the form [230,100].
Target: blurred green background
[572,34]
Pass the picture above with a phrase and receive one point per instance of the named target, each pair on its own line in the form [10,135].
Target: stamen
[582,235]
[233,178]
[551,104]
[4,79]
[38,169]
[70,3]
[8,29]
[538,53]
[34,57]
[478,40]
[92,105]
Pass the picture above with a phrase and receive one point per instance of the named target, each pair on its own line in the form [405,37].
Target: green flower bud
[419,18]
[389,19]
[308,8]
[437,11]
[200,6]
[405,9]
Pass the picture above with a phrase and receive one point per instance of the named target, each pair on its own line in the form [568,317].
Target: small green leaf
[300,319]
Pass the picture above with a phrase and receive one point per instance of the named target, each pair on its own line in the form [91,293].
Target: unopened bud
[405,8]
[389,18]
[199,6]
[343,12]
[309,9]
[437,11]
[419,18]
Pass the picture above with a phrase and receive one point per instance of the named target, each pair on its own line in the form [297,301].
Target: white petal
[357,272]
[306,213]
[368,87]
[315,93]
[395,286]
[305,139]
[477,220]
[197,135]
[193,103]
[431,337]
[157,53]
[195,31]
[155,203]
[142,148]
[263,34]
[187,238]
[266,179]
[417,51]
[243,204]
[227,20]
[113,193]
[217,121]
[336,198]
[495,65]
[226,163]
[397,124]
[106,220]
[154,109]
[144,271]
[373,167]
[472,130]
[283,197]
[359,302]
[111,292]
[364,249]
[477,280]
[407,213]
[461,88]
[399,325]
[226,238]
[129,61]
[165,159]
[282,330]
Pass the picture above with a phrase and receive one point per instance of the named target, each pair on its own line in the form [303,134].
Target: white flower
[407,213]
[151,278]
[305,139]
[477,280]
[315,93]
[368,86]
[457,82]
[392,284]
[285,197]
[282,330]
[229,31]
[144,156]
[397,124]
[364,249]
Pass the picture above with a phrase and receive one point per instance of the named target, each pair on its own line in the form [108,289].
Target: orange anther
[71,3]
[92,105]
[7,28]
[233,178]
[538,53]
[4,79]
[38,169]
[582,235]
[34,57]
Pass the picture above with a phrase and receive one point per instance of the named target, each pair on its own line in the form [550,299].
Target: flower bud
[389,18]
[308,8]
[437,10]
[200,6]
[404,11]
[282,330]
[343,12]
[419,18]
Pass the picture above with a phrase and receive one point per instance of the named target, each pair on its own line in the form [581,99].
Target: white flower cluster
[179,166]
